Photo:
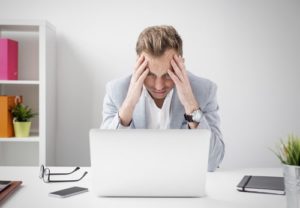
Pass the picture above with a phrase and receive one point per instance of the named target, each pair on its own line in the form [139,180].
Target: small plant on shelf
[21,119]
[22,113]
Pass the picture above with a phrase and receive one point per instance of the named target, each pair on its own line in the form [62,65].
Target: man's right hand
[134,92]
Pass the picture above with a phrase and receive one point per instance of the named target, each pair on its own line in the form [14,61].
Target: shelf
[20,82]
[21,139]
[24,25]
[37,85]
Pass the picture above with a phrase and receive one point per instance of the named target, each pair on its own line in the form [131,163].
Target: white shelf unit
[37,85]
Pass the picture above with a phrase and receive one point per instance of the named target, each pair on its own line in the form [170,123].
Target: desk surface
[220,188]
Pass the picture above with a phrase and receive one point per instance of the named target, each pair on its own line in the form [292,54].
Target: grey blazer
[205,93]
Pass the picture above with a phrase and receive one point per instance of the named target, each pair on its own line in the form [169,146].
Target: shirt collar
[148,96]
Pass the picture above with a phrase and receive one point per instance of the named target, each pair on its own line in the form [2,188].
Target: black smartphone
[4,184]
[68,192]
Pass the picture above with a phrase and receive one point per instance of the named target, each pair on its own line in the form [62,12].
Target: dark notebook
[262,184]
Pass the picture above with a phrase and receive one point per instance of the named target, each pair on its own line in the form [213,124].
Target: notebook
[149,163]
[262,184]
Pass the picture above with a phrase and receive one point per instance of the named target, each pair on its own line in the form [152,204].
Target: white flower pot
[292,185]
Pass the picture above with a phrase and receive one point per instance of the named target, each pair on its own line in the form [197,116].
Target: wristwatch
[194,117]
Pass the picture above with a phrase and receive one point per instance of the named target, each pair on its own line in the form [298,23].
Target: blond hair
[156,40]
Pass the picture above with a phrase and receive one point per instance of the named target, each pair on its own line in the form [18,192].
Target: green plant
[289,152]
[22,113]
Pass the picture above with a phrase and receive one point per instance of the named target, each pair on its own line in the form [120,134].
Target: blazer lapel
[177,112]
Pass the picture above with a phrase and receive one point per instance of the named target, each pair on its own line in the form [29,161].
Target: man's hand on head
[183,86]
[135,89]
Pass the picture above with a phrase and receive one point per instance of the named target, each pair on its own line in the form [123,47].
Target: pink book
[8,59]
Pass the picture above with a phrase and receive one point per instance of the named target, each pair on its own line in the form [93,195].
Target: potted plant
[21,119]
[289,155]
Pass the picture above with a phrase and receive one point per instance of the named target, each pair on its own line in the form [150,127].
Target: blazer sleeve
[211,120]
[110,113]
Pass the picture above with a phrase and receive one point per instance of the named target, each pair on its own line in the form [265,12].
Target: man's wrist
[191,106]
[124,124]
[125,113]
[124,120]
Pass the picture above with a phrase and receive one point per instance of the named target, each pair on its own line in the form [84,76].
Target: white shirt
[157,118]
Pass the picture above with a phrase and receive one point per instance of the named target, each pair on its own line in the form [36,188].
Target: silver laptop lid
[171,163]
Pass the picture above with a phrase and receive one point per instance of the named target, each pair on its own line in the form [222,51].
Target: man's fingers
[180,62]
[143,76]
[139,62]
[177,70]
[140,70]
[174,77]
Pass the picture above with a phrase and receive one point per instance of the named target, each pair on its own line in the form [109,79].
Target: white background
[250,48]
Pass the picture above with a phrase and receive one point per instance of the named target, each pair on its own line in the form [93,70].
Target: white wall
[249,48]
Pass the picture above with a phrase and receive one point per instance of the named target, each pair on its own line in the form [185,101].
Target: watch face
[197,116]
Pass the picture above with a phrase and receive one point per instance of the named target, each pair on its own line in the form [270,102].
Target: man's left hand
[184,89]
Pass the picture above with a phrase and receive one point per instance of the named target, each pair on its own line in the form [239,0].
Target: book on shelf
[14,185]
[262,184]
[8,59]
[6,119]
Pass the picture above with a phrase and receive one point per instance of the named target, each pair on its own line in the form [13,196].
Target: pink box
[8,59]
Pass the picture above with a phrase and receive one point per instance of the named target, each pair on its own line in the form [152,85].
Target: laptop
[149,163]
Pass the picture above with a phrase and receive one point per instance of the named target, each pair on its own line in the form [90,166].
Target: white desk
[220,188]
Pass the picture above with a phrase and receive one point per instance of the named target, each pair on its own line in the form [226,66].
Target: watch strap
[188,118]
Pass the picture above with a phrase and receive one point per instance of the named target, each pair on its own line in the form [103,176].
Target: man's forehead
[159,68]
[160,65]
[167,56]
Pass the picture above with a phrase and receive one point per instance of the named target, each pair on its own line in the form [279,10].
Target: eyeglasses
[45,175]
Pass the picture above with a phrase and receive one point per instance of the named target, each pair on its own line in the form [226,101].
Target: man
[161,94]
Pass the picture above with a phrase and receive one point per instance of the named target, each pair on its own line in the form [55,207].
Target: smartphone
[4,184]
[68,192]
